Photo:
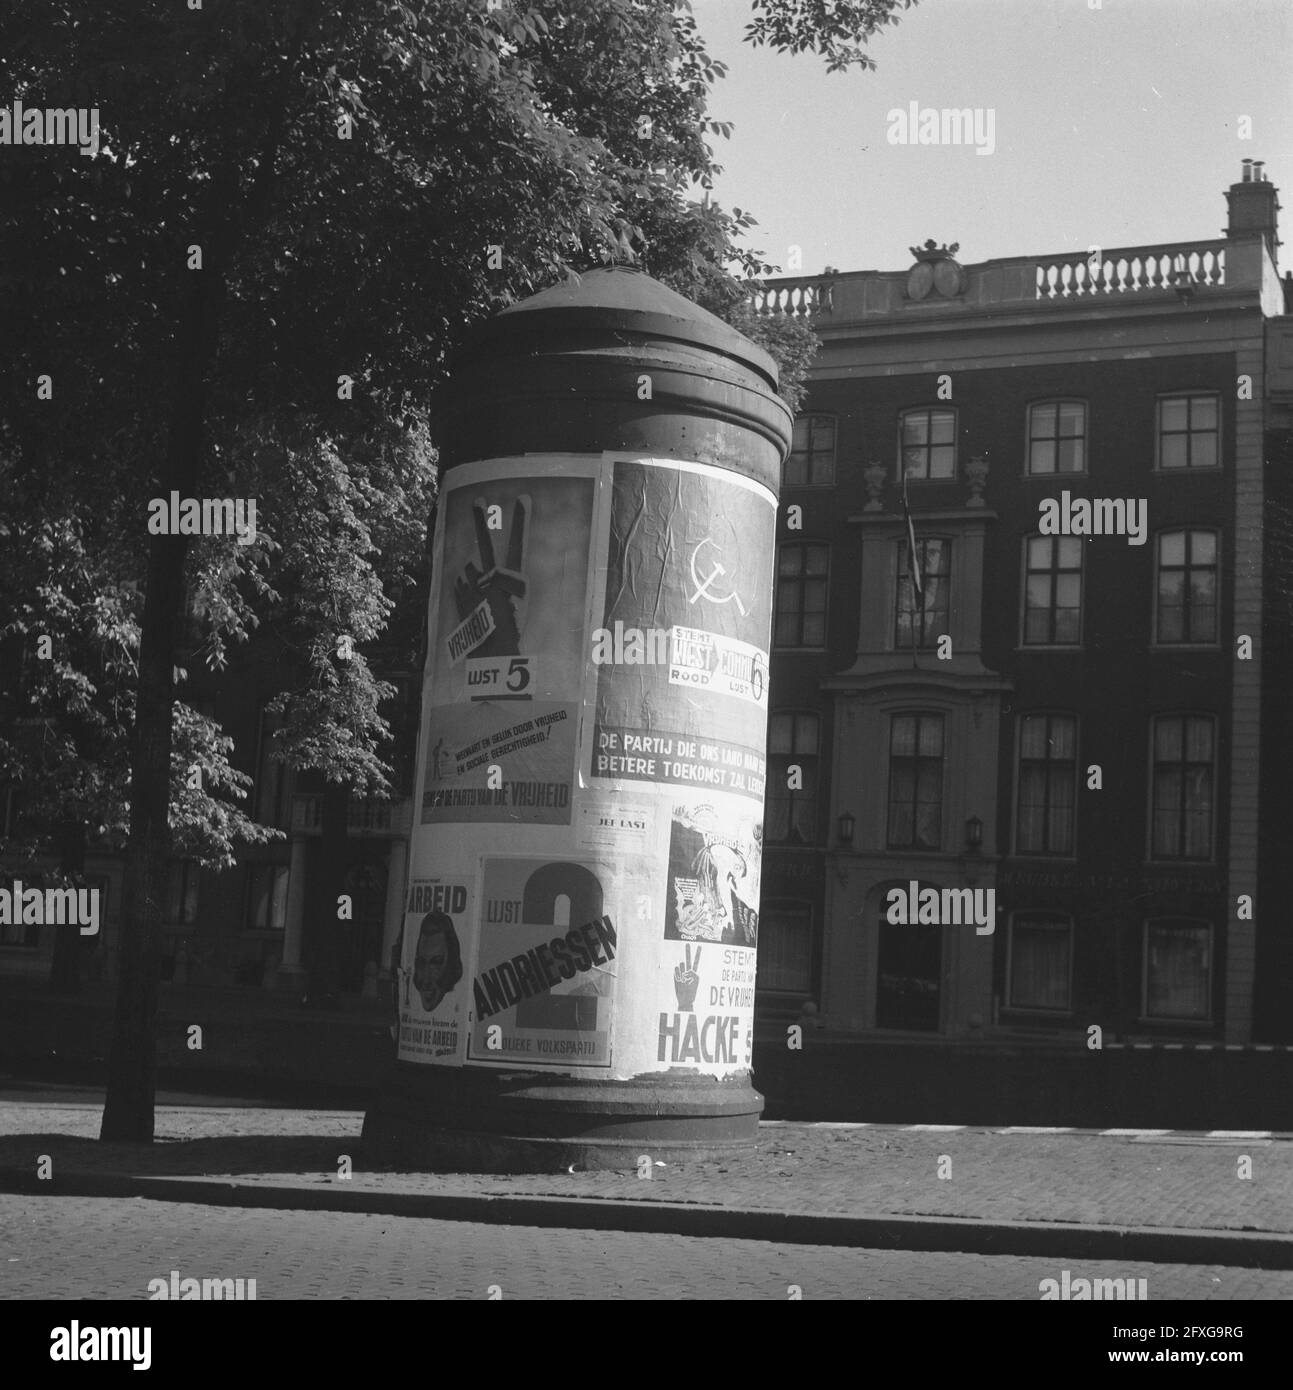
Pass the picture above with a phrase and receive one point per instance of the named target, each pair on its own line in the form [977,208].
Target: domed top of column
[624,298]
[613,361]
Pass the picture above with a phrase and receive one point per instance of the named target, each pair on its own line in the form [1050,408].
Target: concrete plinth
[467,1121]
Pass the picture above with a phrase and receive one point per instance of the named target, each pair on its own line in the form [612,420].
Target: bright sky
[1116,126]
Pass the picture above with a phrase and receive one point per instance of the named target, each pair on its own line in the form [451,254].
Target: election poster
[430,984]
[715,856]
[591,766]
[682,649]
[546,967]
[488,763]
[508,648]
[708,1022]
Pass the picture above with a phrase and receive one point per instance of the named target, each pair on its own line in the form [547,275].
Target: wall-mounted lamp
[848,823]
[974,834]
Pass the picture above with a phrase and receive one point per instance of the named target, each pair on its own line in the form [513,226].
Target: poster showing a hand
[509,624]
[487,598]
[686,980]
[502,722]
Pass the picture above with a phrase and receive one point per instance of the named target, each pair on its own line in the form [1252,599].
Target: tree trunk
[132,1062]
[65,967]
[132,1065]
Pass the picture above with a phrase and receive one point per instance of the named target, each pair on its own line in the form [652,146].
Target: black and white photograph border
[644,654]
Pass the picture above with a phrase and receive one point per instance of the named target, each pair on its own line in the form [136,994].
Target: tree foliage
[297,211]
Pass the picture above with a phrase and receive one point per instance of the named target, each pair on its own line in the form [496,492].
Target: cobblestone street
[1144,1179]
[90,1248]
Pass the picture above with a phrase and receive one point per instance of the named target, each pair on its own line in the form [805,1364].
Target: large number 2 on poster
[545,887]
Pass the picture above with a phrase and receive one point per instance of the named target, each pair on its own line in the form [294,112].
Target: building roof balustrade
[1238,267]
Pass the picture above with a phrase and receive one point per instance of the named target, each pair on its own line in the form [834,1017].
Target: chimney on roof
[1254,206]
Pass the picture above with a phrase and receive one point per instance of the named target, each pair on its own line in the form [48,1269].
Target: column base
[466,1120]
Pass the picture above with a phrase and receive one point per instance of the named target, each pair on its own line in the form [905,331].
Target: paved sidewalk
[1173,1196]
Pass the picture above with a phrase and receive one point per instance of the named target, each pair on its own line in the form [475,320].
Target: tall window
[271,775]
[786,948]
[926,611]
[1052,591]
[916,781]
[1178,970]
[269,896]
[801,595]
[1057,437]
[1188,431]
[1183,786]
[812,452]
[928,443]
[1047,784]
[791,811]
[1187,587]
[1041,954]
[182,894]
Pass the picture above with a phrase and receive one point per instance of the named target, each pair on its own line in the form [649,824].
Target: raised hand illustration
[686,980]
[498,588]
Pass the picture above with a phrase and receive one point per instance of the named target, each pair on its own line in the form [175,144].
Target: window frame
[1050,644]
[1189,396]
[189,872]
[1151,857]
[1029,439]
[1049,917]
[272,868]
[800,578]
[272,772]
[1047,714]
[811,416]
[804,796]
[1188,531]
[1177,1020]
[930,411]
[927,641]
[766,910]
[913,848]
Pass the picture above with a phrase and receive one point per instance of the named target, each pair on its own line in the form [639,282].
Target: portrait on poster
[431,969]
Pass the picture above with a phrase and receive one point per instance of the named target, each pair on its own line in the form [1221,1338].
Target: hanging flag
[913,569]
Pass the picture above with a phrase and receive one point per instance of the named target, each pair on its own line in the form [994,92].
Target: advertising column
[597,698]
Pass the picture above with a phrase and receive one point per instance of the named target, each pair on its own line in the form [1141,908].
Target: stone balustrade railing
[1130,269]
[803,298]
